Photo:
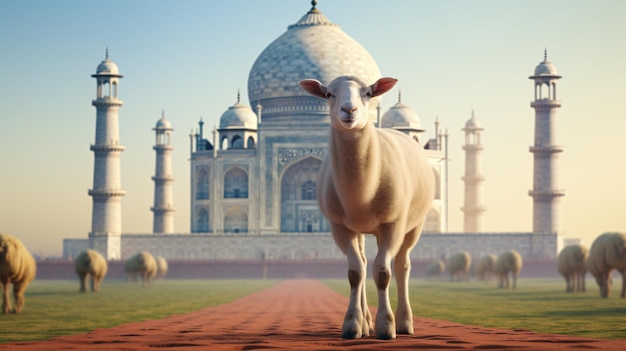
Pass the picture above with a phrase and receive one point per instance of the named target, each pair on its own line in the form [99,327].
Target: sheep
[573,267]
[435,268]
[17,267]
[161,266]
[484,267]
[608,252]
[142,264]
[90,263]
[372,181]
[459,265]
[508,262]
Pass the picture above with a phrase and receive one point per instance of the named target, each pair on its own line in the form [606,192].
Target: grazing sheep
[608,252]
[372,181]
[17,267]
[90,263]
[142,264]
[435,268]
[573,267]
[484,267]
[161,266]
[459,266]
[508,262]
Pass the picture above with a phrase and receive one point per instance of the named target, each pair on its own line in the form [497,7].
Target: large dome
[238,116]
[313,47]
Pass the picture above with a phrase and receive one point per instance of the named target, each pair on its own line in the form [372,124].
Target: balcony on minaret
[546,193]
[545,149]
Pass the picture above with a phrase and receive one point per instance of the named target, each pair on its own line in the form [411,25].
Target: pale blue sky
[190,58]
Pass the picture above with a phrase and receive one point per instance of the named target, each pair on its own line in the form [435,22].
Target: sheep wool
[484,267]
[376,181]
[459,266]
[608,253]
[435,268]
[141,264]
[508,263]
[17,267]
[573,266]
[90,264]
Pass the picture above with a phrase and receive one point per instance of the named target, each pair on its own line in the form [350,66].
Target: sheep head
[348,98]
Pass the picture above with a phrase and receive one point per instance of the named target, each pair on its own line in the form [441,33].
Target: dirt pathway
[298,315]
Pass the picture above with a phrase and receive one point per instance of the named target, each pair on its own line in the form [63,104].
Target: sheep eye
[368,94]
[328,95]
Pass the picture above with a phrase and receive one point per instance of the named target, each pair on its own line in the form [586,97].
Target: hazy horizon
[191,58]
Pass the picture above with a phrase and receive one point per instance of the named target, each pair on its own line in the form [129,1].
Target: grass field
[55,308]
[540,305]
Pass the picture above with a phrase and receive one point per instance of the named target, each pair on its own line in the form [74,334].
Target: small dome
[238,116]
[107,67]
[163,124]
[401,116]
[545,68]
[472,124]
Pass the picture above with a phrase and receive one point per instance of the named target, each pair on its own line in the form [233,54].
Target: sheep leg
[402,269]
[623,294]
[6,302]
[83,281]
[348,242]
[389,243]
[582,280]
[368,323]
[18,292]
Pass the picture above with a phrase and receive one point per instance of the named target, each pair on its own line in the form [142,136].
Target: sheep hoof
[385,334]
[351,330]
[406,329]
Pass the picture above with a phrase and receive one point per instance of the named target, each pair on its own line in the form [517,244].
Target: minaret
[163,199]
[473,209]
[106,218]
[545,193]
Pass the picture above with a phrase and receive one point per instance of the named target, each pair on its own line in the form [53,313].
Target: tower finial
[545,54]
[106,53]
[399,96]
[162,113]
[313,4]
[472,113]
[238,96]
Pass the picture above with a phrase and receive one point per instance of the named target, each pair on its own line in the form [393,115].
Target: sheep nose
[348,109]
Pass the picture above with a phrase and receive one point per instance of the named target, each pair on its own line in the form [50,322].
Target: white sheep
[509,262]
[459,266]
[608,253]
[142,264]
[435,268]
[162,266]
[484,267]
[374,181]
[573,266]
[17,267]
[90,263]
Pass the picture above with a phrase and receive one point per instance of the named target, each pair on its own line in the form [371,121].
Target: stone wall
[311,246]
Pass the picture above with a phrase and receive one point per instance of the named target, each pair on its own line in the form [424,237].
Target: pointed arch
[437,183]
[433,221]
[202,222]
[202,184]
[236,184]
[299,211]
[236,142]
[236,220]
[251,143]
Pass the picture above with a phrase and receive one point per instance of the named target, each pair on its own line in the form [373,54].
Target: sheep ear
[313,87]
[382,86]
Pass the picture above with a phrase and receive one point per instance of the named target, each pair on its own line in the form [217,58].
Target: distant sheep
[484,267]
[142,264]
[459,266]
[573,267]
[17,267]
[608,253]
[90,263]
[377,181]
[509,262]
[435,269]
[162,266]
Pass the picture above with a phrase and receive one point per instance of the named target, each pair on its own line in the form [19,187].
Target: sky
[190,58]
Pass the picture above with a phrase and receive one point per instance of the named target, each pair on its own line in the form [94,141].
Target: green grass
[540,305]
[55,307]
